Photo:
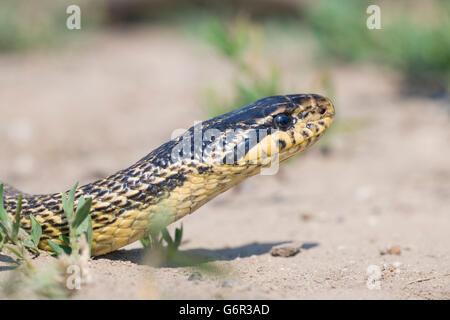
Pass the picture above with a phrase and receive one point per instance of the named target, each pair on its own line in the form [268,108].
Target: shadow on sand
[196,256]
[7,260]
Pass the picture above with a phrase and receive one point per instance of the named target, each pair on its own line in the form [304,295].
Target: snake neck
[127,204]
[147,195]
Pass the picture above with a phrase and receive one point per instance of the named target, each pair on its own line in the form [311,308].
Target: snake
[181,175]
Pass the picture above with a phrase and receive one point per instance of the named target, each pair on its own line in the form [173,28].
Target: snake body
[181,175]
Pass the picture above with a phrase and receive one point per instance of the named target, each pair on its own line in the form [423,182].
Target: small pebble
[395,250]
[305,217]
[392,250]
[286,250]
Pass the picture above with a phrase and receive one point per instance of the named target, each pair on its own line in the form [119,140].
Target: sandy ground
[83,113]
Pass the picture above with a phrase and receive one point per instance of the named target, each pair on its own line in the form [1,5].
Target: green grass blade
[58,248]
[166,236]
[4,230]
[146,242]
[82,212]
[65,239]
[178,236]
[68,202]
[29,243]
[36,230]
[16,224]
[5,220]
[13,250]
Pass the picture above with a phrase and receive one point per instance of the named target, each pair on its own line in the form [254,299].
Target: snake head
[252,135]
[295,123]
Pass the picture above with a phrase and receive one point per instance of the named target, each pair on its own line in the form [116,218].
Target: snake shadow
[8,260]
[196,256]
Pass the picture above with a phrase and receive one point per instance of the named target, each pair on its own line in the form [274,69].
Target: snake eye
[282,121]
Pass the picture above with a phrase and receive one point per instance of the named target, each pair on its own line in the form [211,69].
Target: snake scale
[183,174]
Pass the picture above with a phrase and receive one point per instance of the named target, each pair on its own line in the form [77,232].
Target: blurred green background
[414,39]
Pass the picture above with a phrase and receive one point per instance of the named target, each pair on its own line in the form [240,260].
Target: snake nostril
[322,110]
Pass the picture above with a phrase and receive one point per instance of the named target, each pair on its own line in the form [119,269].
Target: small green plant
[80,223]
[74,249]
[164,249]
[158,233]
[13,237]
[43,283]
[173,245]
[155,241]
[169,254]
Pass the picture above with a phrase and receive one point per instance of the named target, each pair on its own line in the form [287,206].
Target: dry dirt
[101,105]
